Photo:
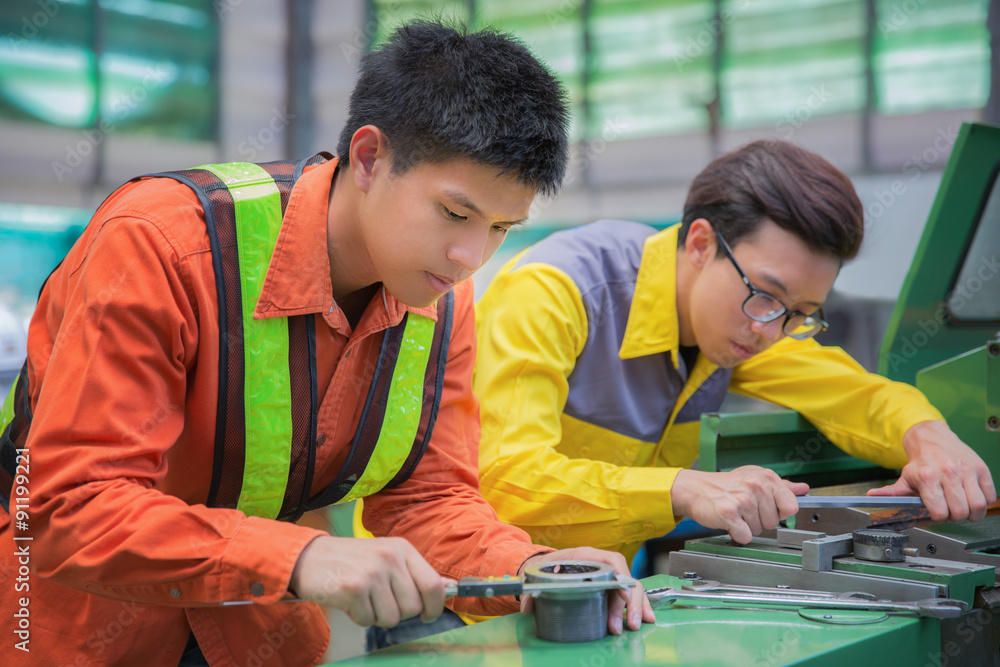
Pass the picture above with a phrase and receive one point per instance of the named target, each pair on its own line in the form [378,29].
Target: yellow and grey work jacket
[589,412]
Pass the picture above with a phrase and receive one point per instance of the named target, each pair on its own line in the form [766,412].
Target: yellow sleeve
[532,325]
[863,413]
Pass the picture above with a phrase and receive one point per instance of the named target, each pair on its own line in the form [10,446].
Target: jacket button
[256,589]
[648,527]
[321,440]
[175,593]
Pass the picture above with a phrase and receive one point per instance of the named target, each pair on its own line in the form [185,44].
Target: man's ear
[699,245]
[368,154]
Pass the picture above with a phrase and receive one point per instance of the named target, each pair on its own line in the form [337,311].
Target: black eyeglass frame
[785,310]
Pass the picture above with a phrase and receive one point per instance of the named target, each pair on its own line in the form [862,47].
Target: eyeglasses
[762,307]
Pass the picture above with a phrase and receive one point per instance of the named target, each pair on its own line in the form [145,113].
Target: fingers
[428,588]
[976,499]
[616,607]
[985,480]
[639,609]
[899,488]
[740,532]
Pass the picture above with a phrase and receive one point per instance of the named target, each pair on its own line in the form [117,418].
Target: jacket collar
[652,325]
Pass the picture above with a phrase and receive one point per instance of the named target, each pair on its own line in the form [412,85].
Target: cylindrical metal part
[884,546]
[564,616]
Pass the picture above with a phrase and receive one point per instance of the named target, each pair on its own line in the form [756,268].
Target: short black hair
[437,92]
[776,180]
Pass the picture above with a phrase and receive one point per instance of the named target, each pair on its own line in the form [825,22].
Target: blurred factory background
[93,92]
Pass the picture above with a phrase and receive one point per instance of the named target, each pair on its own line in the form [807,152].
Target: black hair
[438,93]
[776,180]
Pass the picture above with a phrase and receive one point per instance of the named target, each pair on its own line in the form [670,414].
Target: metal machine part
[566,615]
[827,563]
[884,546]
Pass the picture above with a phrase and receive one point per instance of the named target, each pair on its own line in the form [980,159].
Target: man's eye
[454,216]
[500,229]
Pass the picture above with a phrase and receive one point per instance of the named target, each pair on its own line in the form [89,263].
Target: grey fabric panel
[633,397]
[708,397]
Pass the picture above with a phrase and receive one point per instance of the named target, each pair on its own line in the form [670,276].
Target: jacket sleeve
[439,509]
[109,357]
[532,326]
[863,413]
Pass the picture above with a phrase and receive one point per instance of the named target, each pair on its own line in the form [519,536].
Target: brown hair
[779,181]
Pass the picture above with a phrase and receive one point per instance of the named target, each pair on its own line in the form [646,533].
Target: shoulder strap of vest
[247,464]
[388,429]
[15,420]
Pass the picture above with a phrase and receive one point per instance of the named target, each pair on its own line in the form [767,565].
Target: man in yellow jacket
[601,346]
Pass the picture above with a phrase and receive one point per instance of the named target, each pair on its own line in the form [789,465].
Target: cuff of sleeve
[258,564]
[907,419]
[646,509]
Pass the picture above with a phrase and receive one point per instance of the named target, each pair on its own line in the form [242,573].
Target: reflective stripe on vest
[267,395]
[402,410]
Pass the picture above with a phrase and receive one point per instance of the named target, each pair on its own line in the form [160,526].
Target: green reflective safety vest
[265,438]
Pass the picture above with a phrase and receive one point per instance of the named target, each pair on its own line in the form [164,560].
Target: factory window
[930,54]
[129,66]
[791,62]
[661,67]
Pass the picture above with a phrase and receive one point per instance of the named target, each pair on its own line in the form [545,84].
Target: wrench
[750,596]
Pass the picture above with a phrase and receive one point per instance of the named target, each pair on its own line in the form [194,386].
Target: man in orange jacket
[228,347]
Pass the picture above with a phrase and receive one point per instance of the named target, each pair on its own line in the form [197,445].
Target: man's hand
[639,609]
[374,581]
[743,502]
[952,480]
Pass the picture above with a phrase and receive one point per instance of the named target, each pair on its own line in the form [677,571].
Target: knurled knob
[880,545]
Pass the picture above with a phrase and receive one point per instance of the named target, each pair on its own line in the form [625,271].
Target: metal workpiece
[813,502]
[565,614]
[758,597]
[883,546]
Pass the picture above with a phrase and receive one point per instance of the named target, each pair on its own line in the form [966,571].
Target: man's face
[775,261]
[437,224]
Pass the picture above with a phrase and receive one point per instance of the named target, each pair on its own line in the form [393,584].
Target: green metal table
[684,635]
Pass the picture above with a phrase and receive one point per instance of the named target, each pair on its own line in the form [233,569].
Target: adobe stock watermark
[986,270]
[803,453]
[265,136]
[565,10]
[894,19]
[914,168]
[801,114]
[778,652]
[364,35]
[31,25]
[121,108]
[225,7]
[972,625]
[705,38]
[578,161]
